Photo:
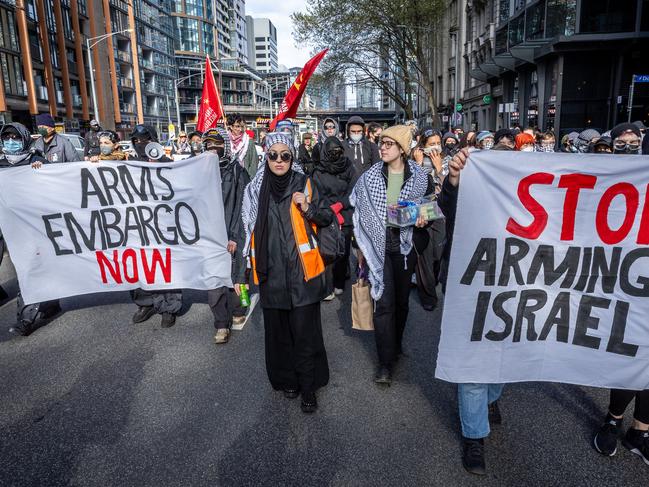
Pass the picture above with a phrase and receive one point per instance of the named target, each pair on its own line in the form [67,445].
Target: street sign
[641,78]
[456,119]
[444,118]
[487,99]
[619,100]
[458,107]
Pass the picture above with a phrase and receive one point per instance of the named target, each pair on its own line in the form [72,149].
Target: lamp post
[89,46]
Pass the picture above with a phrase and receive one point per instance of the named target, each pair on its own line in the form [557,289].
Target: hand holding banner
[115,226]
[549,271]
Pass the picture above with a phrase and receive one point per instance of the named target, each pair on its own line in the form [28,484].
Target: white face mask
[527,149]
[356,137]
[487,144]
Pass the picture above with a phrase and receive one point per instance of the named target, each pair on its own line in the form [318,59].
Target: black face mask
[627,150]
[140,148]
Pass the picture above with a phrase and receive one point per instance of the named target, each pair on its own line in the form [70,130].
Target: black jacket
[362,155]
[92,144]
[447,201]
[334,188]
[286,287]
[305,158]
[233,182]
[30,159]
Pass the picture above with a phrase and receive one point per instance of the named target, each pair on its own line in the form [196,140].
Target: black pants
[428,264]
[341,267]
[162,301]
[391,311]
[224,304]
[295,351]
[620,400]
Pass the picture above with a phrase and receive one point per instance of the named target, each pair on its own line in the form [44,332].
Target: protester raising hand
[457,163]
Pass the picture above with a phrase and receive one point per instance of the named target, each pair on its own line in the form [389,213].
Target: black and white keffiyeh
[251,194]
[369,199]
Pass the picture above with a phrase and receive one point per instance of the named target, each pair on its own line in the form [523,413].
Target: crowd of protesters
[283,190]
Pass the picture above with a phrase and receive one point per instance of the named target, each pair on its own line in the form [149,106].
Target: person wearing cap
[603,145]
[91,148]
[109,149]
[141,137]
[282,213]
[329,129]
[626,140]
[485,140]
[545,141]
[505,139]
[166,303]
[567,142]
[181,147]
[358,149]
[305,153]
[450,143]
[584,140]
[18,150]
[195,143]
[525,142]
[243,149]
[387,249]
[54,147]
[224,302]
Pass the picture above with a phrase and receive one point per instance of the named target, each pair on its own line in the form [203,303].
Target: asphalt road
[92,400]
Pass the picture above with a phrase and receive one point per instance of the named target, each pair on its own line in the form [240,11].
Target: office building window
[194,7]
[561,17]
[12,74]
[208,38]
[535,21]
[503,11]
[608,16]
[188,30]
[516,30]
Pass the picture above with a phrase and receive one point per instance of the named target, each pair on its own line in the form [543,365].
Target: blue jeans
[473,401]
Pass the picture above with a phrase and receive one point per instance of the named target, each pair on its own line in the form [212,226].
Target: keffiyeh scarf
[369,199]
[240,147]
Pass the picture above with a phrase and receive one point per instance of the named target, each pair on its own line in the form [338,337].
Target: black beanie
[503,133]
[622,128]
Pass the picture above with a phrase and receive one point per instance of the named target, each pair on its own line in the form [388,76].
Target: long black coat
[285,287]
[334,188]
[234,180]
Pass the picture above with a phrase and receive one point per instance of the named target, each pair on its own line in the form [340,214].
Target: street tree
[388,43]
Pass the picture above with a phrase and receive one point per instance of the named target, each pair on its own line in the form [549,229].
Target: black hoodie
[28,155]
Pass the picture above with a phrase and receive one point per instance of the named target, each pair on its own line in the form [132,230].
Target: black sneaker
[23,328]
[383,375]
[605,440]
[494,414]
[143,313]
[168,320]
[309,403]
[637,442]
[473,456]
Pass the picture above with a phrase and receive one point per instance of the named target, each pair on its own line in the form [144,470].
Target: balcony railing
[127,82]
[127,107]
[124,56]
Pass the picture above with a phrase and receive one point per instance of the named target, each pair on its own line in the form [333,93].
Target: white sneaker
[338,292]
[331,297]
[238,320]
[222,335]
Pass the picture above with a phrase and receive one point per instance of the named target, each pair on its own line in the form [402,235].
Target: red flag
[294,95]
[211,110]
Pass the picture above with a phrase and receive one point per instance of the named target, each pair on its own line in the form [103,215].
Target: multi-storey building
[43,61]
[262,45]
[237,27]
[553,64]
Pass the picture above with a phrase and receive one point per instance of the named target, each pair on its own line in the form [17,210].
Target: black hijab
[271,186]
[333,159]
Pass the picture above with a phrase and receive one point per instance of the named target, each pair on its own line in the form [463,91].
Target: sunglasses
[621,145]
[329,127]
[284,156]
[11,136]
[387,144]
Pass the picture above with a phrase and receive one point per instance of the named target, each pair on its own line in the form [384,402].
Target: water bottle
[244,297]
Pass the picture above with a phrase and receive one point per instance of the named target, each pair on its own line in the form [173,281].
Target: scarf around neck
[239,146]
[369,199]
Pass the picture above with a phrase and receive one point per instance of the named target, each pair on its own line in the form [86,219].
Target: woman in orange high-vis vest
[281,216]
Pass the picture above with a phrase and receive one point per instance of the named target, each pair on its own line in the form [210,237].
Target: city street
[93,400]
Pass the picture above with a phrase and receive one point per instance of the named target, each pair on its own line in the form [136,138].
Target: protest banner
[79,228]
[549,271]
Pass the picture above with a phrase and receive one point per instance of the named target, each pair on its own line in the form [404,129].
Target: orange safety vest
[307,245]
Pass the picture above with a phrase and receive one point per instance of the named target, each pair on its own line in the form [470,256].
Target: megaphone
[154,151]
